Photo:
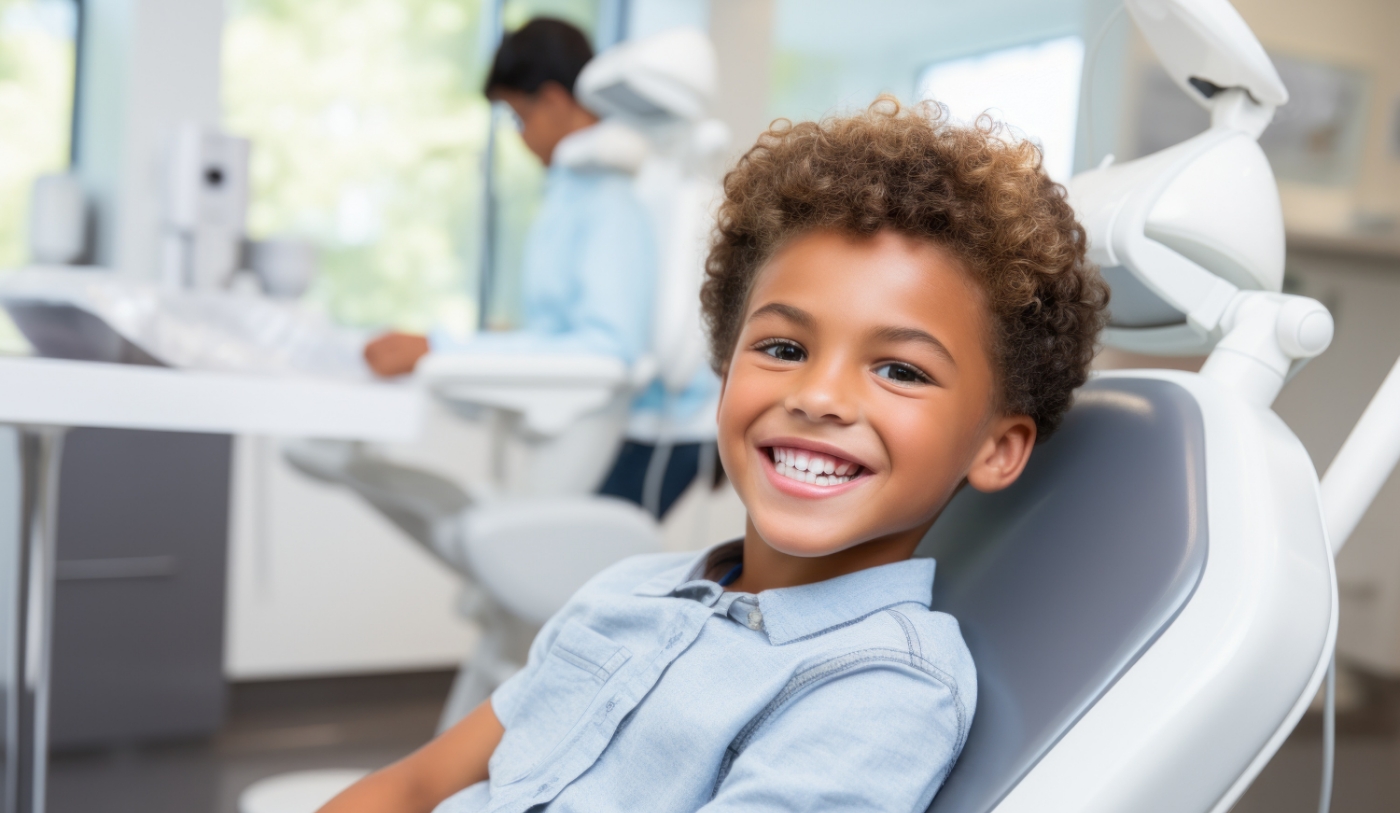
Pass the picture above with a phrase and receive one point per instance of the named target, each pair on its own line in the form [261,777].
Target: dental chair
[1153,605]
[525,542]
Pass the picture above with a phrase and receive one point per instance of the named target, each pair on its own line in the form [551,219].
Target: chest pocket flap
[580,662]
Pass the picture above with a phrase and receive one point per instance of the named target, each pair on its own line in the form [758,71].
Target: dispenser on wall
[206,207]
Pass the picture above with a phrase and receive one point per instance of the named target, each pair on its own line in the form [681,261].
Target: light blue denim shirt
[656,690]
[588,282]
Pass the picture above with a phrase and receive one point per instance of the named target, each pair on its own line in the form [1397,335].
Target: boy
[897,306]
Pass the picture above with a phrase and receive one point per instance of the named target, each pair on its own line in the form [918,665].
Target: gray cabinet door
[139,605]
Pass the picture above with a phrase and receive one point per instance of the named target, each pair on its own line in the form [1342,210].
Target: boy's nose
[824,394]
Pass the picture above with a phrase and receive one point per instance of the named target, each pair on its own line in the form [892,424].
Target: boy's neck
[768,569]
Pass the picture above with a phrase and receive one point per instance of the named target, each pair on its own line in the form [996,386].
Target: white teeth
[810,467]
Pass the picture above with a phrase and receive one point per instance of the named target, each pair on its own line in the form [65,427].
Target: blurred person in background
[589,268]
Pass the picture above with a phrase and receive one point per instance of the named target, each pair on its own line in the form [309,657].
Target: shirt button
[755,620]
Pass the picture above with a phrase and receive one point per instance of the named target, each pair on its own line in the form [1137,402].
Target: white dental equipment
[206,207]
[1161,611]
[57,220]
[664,86]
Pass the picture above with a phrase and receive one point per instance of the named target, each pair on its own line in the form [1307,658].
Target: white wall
[1358,34]
[742,31]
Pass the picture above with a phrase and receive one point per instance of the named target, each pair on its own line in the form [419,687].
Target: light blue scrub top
[589,275]
[655,689]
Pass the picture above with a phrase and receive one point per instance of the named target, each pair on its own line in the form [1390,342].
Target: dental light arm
[1191,239]
[1364,463]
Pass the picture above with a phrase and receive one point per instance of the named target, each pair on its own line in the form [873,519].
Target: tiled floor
[367,722]
[272,728]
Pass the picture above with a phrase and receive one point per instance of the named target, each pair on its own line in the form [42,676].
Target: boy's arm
[879,740]
[422,780]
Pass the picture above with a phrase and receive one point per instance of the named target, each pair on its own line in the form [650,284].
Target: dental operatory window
[370,138]
[37,68]
[1032,88]
[1021,58]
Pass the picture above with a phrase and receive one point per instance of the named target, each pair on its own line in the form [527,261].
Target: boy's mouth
[813,468]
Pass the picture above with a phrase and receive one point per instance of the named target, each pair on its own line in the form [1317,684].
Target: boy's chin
[801,538]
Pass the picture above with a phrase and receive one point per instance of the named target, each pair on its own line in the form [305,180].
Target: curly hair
[972,190]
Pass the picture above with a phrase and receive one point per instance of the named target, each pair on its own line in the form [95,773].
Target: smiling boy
[898,306]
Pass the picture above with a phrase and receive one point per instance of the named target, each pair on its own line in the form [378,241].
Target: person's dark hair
[980,194]
[543,50]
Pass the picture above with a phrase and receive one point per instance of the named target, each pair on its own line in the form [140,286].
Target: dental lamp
[1191,238]
[1191,241]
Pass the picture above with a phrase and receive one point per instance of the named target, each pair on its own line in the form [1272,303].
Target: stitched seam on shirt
[832,668]
[581,662]
[843,624]
[911,638]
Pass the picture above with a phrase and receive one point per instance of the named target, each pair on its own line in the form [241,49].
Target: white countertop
[80,393]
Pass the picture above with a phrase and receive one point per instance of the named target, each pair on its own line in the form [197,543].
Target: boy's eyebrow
[913,334]
[885,334]
[792,314]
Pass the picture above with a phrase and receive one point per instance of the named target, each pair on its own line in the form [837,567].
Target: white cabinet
[322,584]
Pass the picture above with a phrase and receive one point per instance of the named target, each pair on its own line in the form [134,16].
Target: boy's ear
[1003,454]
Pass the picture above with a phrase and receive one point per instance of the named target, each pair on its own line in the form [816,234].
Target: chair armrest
[549,392]
[532,555]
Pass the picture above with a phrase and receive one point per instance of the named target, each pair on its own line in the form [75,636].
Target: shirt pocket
[579,663]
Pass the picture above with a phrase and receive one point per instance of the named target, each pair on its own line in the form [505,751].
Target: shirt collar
[793,613]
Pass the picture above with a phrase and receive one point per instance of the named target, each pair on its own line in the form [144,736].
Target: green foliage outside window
[36,98]
[368,126]
[369,130]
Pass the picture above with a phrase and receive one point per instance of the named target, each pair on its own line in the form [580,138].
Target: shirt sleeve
[611,311]
[881,739]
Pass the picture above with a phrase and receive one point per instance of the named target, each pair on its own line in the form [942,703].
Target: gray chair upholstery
[1063,580]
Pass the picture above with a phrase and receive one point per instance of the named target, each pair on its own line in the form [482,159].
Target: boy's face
[867,359]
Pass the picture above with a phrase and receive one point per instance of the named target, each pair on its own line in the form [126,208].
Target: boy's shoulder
[933,639]
[627,575]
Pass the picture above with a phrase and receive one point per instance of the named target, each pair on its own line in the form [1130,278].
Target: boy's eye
[901,373]
[784,351]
